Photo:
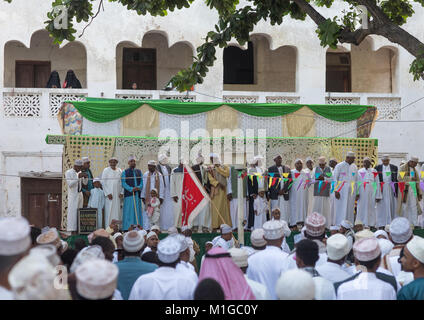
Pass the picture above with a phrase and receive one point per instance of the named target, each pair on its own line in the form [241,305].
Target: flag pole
[240,209]
[135,208]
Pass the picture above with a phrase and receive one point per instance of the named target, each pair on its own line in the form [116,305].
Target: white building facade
[289,65]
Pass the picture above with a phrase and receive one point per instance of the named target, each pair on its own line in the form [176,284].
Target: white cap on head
[366,158]
[49,251]
[169,250]
[184,228]
[96,279]
[200,159]
[155,227]
[32,278]
[49,237]
[151,234]
[276,156]
[162,157]
[350,154]
[366,249]
[114,158]
[85,160]
[315,224]
[358,222]
[385,157]
[183,242]
[381,233]
[416,248]
[225,228]
[143,233]
[87,253]
[133,241]
[295,284]
[309,159]
[364,234]
[321,160]
[273,230]
[96,180]
[400,230]
[334,228]
[172,230]
[414,158]
[78,162]
[385,246]
[116,235]
[298,160]
[239,257]
[346,224]
[131,158]
[257,238]
[151,163]
[14,236]
[337,247]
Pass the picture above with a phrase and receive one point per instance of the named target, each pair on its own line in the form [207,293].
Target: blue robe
[128,185]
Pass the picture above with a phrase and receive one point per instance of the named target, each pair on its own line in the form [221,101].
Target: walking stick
[135,208]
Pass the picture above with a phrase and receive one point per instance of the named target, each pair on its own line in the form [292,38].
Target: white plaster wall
[70,57]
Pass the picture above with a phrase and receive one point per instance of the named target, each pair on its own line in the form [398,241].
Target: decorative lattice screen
[22,105]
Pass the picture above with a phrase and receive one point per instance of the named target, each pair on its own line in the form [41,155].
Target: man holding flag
[193,196]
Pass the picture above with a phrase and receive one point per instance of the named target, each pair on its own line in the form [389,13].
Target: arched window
[238,65]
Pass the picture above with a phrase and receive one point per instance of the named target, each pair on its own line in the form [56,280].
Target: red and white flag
[193,198]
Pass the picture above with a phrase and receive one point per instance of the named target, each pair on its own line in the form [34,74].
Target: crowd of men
[335,190]
[347,264]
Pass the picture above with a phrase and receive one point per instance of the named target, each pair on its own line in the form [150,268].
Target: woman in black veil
[71,81]
[54,80]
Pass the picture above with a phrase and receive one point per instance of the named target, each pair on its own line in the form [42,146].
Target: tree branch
[310,11]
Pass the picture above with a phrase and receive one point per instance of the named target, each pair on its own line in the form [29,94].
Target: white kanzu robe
[344,206]
[332,215]
[177,179]
[75,198]
[282,204]
[146,223]
[97,200]
[298,198]
[310,175]
[266,266]
[260,205]
[166,219]
[164,283]
[111,182]
[234,204]
[386,208]
[366,203]
[321,203]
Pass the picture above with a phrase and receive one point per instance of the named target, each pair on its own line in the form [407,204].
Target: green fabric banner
[105,110]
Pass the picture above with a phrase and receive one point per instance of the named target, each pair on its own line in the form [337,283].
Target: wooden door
[32,74]
[42,201]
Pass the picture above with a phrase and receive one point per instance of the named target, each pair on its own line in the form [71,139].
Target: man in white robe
[344,174]
[74,179]
[232,196]
[321,187]
[332,163]
[166,209]
[177,179]
[166,282]
[298,195]
[367,284]
[369,194]
[152,179]
[310,174]
[112,187]
[15,241]
[279,190]
[386,209]
[266,266]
